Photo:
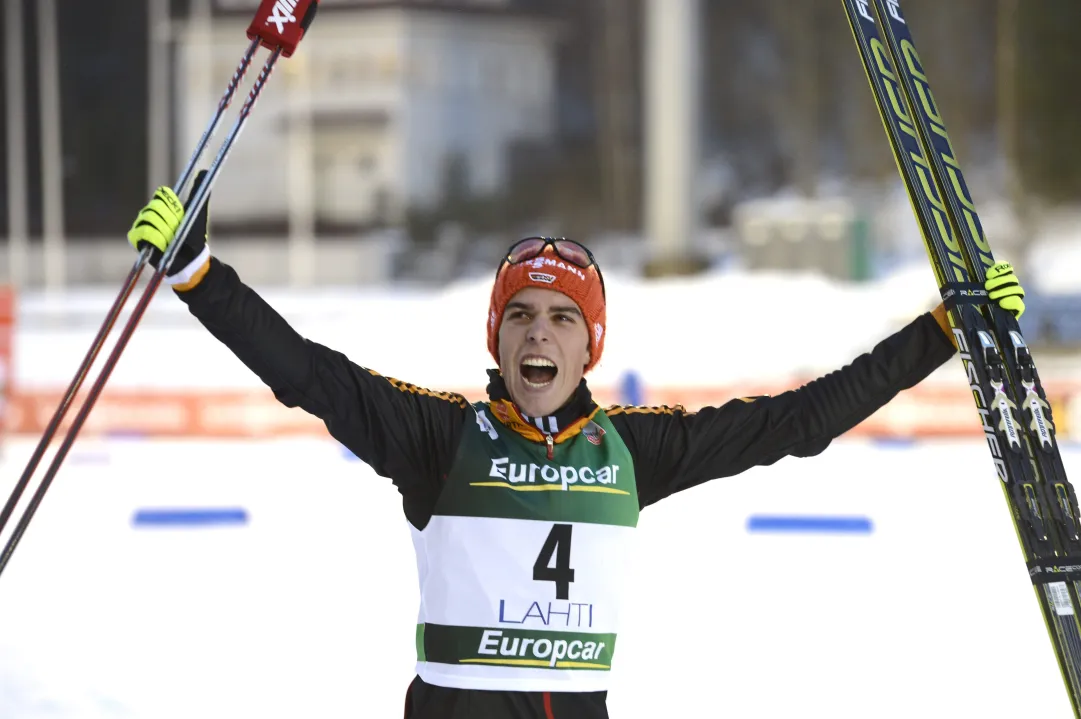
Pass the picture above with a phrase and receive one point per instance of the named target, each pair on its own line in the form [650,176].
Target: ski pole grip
[281,24]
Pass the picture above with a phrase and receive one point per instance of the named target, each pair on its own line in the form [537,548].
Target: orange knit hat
[549,271]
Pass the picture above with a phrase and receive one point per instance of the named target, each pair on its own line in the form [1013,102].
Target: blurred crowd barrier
[933,410]
[176,380]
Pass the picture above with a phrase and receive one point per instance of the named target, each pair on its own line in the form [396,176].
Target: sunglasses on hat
[567,250]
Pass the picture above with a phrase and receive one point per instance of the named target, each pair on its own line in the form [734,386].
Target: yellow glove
[1004,289]
[156,225]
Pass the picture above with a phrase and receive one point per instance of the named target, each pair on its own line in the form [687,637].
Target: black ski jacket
[410,435]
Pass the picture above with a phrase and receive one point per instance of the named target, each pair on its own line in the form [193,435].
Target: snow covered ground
[308,609]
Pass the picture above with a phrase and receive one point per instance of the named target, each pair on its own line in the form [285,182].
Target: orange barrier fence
[928,410]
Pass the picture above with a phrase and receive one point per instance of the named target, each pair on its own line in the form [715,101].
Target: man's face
[543,349]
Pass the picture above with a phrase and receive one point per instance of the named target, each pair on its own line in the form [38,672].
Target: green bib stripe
[521,564]
[515,647]
[583,482]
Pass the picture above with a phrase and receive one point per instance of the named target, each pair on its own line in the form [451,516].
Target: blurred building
[411,140]
[395,105]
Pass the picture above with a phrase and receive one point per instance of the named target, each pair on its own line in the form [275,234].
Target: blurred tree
[1050,116]
[33,127]
[1008,108]
[618,101]
[797,97]
[103,84]
[740,67]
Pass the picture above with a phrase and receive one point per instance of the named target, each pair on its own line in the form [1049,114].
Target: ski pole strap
[1046,571]
[962,293]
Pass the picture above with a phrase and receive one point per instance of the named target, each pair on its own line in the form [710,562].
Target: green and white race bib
[523,561]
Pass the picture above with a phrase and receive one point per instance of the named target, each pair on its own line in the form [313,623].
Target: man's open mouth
[538,371]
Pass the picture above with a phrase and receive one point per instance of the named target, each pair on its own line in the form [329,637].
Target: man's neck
[578,405]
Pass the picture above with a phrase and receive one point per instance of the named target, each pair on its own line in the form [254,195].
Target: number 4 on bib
[559,544]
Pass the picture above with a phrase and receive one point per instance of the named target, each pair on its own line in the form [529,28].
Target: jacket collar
[566,422]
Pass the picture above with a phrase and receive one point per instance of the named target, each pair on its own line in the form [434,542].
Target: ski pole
[276,26]
[121,299]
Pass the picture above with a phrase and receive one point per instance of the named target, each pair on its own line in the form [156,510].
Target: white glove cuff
[186,273]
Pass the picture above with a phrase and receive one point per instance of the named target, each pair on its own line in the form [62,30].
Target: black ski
[1012,405]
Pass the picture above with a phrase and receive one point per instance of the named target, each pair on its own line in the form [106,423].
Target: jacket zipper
[551,445]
